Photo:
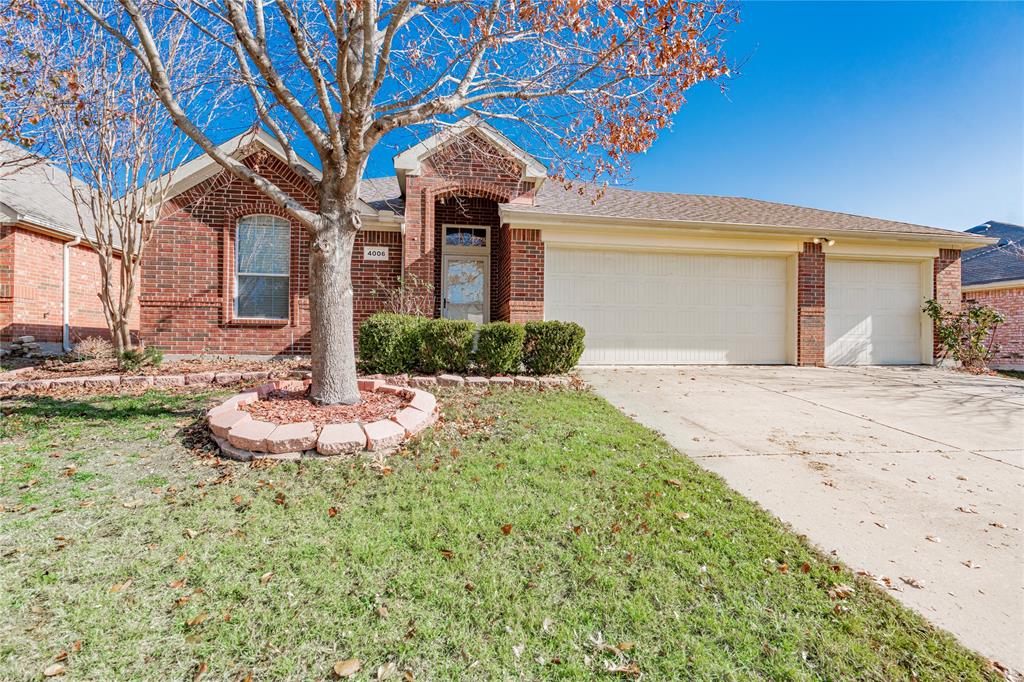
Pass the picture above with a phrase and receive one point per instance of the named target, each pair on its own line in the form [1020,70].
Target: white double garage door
[655,308]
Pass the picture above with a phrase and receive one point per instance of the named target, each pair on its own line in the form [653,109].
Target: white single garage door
[658,308]
[872,313]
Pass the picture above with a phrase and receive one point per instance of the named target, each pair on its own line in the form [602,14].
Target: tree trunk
[330,309]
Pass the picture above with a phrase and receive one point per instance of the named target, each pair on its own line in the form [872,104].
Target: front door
[464,283]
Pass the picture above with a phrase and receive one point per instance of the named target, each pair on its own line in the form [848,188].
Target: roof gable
[410,162]
[204,167]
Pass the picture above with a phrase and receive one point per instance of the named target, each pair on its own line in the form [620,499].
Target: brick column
[810,306]
[526,275]
[946,286]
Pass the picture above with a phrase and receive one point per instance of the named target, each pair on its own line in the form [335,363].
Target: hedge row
[392,344]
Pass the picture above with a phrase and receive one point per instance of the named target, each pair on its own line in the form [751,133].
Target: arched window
[262,259]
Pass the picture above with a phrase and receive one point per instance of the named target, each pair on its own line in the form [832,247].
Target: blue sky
[911,111]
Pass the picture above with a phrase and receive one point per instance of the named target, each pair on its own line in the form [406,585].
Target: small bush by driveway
[903,472]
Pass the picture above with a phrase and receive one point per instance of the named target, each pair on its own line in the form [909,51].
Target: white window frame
[483,252]
[238,227]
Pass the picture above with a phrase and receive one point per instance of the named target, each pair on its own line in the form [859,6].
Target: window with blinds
[262,258]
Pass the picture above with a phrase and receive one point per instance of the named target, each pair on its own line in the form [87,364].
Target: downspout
[401,260]
[66,304]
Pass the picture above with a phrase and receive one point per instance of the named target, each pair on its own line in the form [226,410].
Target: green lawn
[528,536]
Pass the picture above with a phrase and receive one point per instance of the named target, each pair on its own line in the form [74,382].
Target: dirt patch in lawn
[58,368]
[291,407]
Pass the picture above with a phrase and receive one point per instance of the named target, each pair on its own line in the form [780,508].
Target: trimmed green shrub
[389,343]
[552,347]
[447,345]
[137,358]
[499,348]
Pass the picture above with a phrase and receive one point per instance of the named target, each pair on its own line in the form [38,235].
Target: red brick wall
[526,264]
[31,288]
[810,306]
[87,318]
[1009,336]
[188,277]
[6,281]
[947,285]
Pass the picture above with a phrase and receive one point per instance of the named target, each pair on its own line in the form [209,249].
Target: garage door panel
[670,308]
[872,312]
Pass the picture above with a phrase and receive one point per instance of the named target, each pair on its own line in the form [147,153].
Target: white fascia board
[994,286]
[511,215]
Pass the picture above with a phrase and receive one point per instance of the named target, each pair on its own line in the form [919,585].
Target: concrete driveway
[902,472]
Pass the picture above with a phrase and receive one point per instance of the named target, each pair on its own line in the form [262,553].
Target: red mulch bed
[55,368]
[290,407]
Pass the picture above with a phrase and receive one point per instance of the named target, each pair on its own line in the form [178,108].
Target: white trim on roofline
[993,286]
[537,220]
[409,162]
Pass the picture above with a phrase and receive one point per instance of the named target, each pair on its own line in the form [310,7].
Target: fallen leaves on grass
[198,619]
[175,584]
[200,671]
[265,578]
[54,670]
[348,667]
[120,587]
[674,483]
[506,529]
[841,591]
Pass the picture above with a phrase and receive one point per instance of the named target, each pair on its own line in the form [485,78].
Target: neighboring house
[49,275]
[993,275]
[654,278]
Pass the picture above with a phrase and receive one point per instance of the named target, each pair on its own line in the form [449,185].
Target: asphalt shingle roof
[997,262]
[617,202]
[39,191]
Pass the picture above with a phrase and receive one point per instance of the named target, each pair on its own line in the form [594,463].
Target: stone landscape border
[155,380]
[229,378]
[242,437]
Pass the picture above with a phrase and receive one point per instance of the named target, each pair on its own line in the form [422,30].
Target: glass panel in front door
[464,288]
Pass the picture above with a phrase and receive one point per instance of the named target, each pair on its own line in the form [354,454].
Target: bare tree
[95,113]
[594,81]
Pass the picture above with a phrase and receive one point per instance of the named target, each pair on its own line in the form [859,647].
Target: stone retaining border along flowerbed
[228,378]
[243,438]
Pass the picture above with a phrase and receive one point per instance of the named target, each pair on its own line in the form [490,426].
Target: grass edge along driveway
[529,535]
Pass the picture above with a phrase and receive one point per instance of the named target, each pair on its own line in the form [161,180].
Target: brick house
[655,278]
[994,276]
[49,275]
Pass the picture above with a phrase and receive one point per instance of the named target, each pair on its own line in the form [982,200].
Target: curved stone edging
[243,438]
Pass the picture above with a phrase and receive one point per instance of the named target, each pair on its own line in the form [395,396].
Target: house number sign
[375,253]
